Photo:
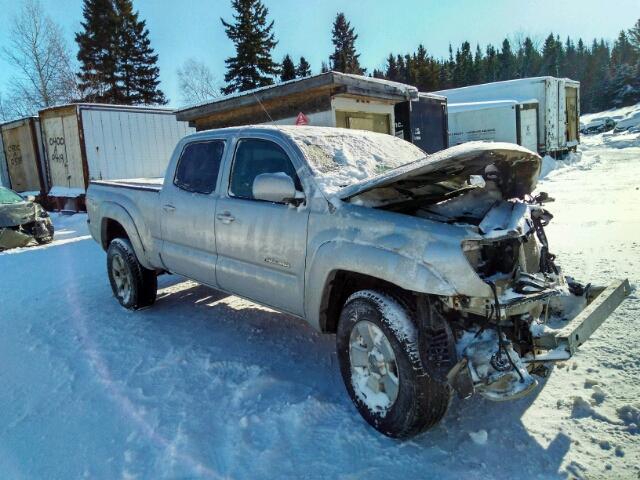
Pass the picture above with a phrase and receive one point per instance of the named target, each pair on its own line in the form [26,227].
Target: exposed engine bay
[497,345]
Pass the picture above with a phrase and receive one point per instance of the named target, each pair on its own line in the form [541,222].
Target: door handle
[169,208]
[225,217]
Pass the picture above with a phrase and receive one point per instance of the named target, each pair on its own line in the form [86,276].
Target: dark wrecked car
[22,222]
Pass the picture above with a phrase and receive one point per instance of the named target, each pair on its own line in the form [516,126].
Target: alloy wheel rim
[373,365]
[121,277]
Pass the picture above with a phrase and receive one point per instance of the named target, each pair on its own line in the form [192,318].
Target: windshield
[340,158]
[9,196]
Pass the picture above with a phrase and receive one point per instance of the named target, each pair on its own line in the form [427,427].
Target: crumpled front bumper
[561,343]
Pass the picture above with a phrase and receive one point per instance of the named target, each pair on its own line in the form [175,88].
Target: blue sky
[191,28]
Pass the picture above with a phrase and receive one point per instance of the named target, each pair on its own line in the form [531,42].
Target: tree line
[117,64]
[609,76]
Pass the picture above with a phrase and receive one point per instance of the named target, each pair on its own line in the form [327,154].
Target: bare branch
[196,82]
[40,56]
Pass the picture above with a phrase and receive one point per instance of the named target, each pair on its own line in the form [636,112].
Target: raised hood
[517,168]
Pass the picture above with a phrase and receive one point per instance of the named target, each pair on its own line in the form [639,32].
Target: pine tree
[117,63]
[391,72]
[303,69]
[634,36]
[623,51]
[344,58]
[136,62]
[491,64]
[530,62]
[507,61]
[324,68]
[287,69]
[478,68]
[97,79]
[552,56]
[251,34]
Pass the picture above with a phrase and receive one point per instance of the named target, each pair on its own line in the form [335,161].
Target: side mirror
[275,187]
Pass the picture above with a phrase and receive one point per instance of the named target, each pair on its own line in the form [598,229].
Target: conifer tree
[391,72]
[251,33]
[136,62]
[634,36]
[344,58]
[303,69]
[507,61]
[117,63]
[287,69]
[97,79]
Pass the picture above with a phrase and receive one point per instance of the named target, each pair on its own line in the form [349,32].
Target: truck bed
[149,184]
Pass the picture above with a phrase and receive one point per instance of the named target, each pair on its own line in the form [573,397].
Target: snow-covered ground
[206,385]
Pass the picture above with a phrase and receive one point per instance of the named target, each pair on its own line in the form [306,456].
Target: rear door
[187,212]
[261,245]
[571,99]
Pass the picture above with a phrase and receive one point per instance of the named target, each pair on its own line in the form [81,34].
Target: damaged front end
[531,314]
[24,224]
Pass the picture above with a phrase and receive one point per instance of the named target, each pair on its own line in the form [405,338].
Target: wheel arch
[340,268]
[116,222]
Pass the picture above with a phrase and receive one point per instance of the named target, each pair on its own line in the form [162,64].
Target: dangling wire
[501,346]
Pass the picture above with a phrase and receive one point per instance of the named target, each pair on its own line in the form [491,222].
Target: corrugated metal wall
[129,144]
[21,155]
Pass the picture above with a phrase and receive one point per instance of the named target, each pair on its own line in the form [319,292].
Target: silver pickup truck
[434,272]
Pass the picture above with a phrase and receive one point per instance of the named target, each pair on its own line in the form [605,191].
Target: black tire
[46,238]
[143,282]
[421,402]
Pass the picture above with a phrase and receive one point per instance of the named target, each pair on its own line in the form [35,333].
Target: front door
[261,245]
[187,212]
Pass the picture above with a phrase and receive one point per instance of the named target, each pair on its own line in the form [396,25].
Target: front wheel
[133,285]
[377,344]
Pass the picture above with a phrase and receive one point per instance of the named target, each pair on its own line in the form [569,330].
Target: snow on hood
[517,166]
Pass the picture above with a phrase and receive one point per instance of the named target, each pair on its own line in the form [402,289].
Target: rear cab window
[198,167]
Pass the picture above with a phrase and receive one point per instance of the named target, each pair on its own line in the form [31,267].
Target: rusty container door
[571,99]
[22,152]
[62,147]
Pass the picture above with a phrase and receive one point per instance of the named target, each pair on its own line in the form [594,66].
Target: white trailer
[558,106]
[85,142]
[496,121]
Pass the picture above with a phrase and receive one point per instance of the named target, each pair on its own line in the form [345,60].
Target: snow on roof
[109,106]
[331,77]
[466,106]
[504,82]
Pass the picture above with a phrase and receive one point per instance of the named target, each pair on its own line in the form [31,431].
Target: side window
[254,157]
[198,167]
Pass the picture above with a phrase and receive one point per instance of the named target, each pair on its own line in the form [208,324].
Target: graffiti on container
[57,155]
[14,155]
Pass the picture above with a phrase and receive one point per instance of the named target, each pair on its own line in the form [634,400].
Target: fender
[376,262]
[113,211]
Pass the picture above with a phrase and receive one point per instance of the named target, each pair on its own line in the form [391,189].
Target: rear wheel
[377,344]
[133,285]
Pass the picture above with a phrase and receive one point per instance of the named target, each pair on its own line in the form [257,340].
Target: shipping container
[497,121]
[85,142]
[423,122]
[22,146]
[558,106]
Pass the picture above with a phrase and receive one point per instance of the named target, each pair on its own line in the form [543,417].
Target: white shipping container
[499,121]
[558,106]
[85,142]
